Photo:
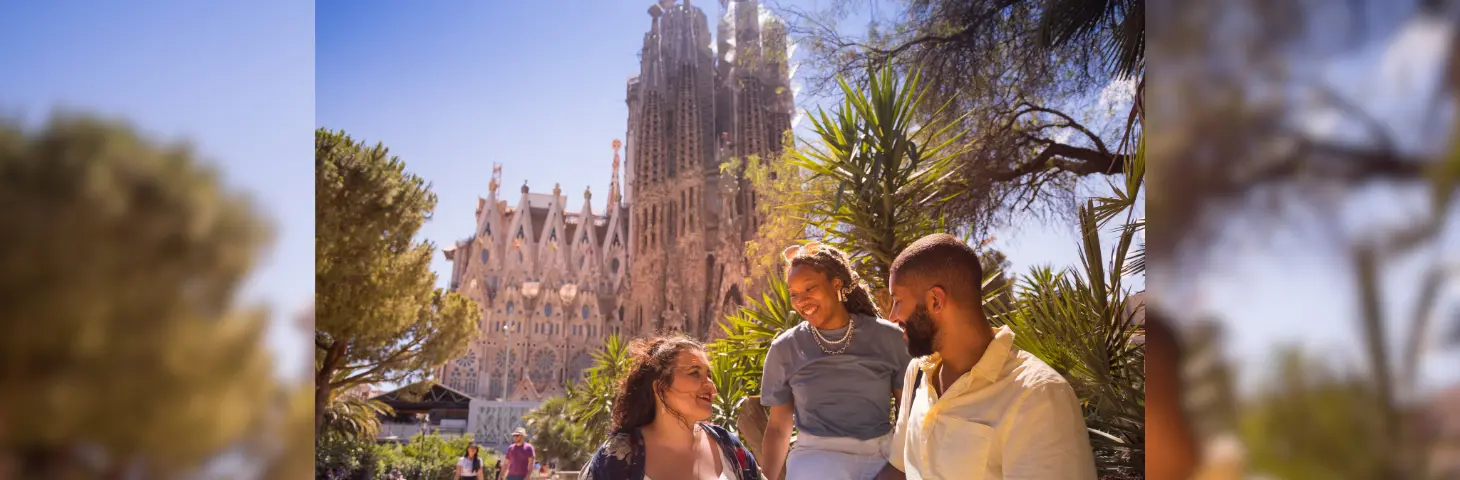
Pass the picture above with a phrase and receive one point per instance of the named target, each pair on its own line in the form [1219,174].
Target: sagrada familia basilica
[667,254]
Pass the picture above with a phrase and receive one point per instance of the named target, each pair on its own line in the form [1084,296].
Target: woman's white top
[463,466]
[727,466]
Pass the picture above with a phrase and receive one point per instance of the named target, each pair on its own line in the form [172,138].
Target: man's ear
[936,299]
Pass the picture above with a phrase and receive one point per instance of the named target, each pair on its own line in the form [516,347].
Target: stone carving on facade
[492,424]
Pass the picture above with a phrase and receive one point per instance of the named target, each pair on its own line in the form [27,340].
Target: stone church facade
[667,254]
[692,108]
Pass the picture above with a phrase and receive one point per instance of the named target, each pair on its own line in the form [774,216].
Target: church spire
[613,188]
[496,179]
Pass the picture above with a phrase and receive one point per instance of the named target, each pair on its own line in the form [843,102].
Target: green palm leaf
[355,418]
[889,181]
[1080,323]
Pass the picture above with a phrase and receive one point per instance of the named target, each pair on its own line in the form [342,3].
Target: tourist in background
[520,456]
[657,428]
[976,407]
[497,470]
[469,466]
[544,472]
[834,377]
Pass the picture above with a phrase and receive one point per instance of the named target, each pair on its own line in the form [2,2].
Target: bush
[359,457]
[427,457]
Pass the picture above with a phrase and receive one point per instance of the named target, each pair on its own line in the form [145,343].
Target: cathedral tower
[692,107]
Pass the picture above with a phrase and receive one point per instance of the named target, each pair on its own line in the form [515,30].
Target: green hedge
[424,457]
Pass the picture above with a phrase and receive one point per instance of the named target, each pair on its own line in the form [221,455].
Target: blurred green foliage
[123,259]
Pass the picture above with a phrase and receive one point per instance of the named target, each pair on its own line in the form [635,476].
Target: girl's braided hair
[834,264]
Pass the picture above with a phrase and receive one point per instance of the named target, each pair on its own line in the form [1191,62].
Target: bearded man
[973,405]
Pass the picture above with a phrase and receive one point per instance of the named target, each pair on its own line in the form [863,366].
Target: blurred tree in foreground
[122,260]
[294,456]
[1258,140]
[378,316]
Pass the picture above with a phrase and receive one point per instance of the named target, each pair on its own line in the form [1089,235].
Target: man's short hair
[942,260]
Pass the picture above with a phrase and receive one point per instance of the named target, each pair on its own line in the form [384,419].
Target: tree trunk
[321,400]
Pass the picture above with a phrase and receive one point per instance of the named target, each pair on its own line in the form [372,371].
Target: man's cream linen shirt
[1011,417]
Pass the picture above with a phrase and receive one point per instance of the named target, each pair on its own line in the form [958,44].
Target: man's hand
[890,472]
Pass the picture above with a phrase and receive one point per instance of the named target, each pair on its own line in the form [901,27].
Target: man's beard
[921,331]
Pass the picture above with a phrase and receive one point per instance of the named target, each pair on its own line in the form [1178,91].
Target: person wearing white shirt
[974,407]
[469,466]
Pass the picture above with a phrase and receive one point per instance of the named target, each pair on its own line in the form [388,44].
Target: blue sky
[451,90]
[234,78]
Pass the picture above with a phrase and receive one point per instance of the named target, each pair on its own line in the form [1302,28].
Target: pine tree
[378,317]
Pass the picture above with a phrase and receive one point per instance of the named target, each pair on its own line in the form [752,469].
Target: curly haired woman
[658,414]
[835,377]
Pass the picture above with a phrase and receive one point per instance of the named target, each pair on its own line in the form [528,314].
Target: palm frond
[1081,324]
[354,417]
[1116,27]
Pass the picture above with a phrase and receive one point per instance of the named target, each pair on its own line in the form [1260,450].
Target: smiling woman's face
[691,393]
[814,294]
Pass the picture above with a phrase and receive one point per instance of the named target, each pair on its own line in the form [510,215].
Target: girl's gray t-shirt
[843,395]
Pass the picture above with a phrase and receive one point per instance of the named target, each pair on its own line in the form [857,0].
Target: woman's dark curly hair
[834,264]
[648,377]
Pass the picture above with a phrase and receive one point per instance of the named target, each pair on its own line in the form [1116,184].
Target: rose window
[542,368]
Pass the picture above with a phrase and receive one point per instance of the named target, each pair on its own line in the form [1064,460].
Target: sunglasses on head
[790,253]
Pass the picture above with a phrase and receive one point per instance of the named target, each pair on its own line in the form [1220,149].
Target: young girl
[657,429]
[834,377]
[469,466]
